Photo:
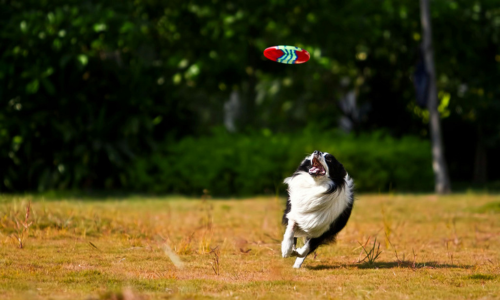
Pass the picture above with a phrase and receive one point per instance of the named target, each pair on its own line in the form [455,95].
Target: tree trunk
[442,181]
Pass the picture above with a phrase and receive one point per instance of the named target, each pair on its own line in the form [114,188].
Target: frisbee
[287,55]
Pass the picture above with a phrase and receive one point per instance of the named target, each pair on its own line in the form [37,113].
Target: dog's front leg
[298,262]
[301,254]
[288,242]
[302,251]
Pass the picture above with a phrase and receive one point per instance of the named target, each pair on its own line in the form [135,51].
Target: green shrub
[235,164]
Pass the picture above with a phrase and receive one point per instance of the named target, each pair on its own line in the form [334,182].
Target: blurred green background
[177,97]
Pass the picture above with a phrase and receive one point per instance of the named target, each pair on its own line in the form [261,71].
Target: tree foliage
[88,87]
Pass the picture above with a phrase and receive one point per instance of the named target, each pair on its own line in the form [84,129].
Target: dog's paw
[287,247]
[301,252]
[296,253]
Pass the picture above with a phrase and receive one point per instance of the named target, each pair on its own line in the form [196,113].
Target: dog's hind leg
[288,243]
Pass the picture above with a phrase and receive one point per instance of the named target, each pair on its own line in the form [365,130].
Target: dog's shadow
[390,265]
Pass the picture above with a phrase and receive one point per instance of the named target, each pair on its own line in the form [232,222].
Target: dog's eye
[328,159]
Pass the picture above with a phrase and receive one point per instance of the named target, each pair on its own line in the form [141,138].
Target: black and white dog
[319,204]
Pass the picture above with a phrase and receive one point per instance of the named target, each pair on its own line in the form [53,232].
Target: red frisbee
[287,54]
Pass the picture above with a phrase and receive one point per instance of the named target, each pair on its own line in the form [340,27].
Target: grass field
[177,248]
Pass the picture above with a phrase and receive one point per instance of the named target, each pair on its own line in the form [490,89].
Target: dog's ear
[336,170]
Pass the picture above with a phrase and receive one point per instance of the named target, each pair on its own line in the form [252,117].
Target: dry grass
[174,248]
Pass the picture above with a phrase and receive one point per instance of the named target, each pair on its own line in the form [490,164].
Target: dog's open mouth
[317,168]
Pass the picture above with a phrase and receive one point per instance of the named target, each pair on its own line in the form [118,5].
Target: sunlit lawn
[159,248]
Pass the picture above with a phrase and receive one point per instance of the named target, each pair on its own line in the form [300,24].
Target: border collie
[319,204]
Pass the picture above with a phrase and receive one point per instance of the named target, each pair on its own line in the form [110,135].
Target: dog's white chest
[311,208]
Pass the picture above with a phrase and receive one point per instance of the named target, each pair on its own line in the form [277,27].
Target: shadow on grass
[391,265]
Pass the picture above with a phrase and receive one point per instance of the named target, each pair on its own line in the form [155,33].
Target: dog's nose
[316,152]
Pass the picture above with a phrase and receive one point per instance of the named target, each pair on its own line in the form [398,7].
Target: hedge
[239,165]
